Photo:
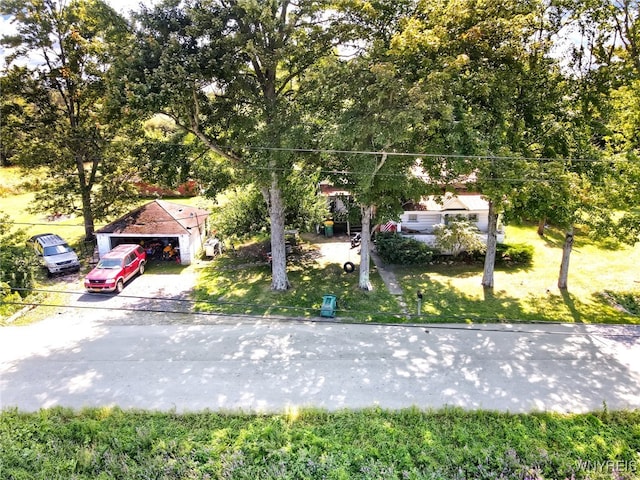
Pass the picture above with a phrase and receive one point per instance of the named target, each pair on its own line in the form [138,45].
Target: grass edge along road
[309,443]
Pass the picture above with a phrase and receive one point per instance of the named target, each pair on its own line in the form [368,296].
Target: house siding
[419,224]
[424,221]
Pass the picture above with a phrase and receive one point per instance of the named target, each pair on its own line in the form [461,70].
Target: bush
[16,260]
[458,236]
[630,301]
[518,253]
[394,248]
[244,213]
[9,302]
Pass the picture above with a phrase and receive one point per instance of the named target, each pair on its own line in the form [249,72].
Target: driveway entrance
[146,299]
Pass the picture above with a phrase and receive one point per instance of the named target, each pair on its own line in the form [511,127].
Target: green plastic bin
[329,303]
[328,229]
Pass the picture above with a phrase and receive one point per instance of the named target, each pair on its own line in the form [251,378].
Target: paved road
[159,361]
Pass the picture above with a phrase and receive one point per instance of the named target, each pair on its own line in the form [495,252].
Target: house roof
[449,202]
[158,218]
[329,190]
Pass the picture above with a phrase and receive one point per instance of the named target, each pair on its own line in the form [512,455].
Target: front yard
[451,292]
[240,283]
[454,292]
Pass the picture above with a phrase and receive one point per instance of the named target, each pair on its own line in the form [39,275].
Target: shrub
[16,260]
[9,302]
[458,236]
[517,253]
[630,301]
[394,248]
[244,213]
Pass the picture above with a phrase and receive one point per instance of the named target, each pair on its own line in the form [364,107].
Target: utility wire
[421,154]
[193,303]
[425,326]
[331,151]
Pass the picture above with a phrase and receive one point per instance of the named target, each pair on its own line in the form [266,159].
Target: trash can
[328,306]
[328,229]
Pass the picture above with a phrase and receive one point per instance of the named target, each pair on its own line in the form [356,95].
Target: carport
[157,224]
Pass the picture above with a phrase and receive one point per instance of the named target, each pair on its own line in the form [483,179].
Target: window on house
[473,217]
[413,217]
[452,217]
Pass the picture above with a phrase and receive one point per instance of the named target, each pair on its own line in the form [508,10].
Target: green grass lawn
[16,207]
[241,284]
[454,292]
[451,292]
[446,444]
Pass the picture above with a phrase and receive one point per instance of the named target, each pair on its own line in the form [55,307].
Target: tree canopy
[62,116]
[277,93]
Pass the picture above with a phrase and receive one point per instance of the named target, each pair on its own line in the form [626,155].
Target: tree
[488,66]
[590,192]
[369,108]
[71,123]
[229,72]
[16,267]
[244,211]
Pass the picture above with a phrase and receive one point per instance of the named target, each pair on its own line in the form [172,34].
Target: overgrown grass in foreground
[369,444]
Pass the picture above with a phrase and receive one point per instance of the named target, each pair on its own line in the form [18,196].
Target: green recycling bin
[329,303]
[328,229]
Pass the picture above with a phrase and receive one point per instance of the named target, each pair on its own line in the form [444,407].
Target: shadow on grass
[164,267]
[443,302]
[248,291]
[554,237]
[571,305]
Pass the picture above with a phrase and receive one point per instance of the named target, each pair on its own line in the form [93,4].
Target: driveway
[148,298]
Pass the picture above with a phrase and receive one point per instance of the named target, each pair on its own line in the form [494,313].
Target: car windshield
[109,263]
[56,250]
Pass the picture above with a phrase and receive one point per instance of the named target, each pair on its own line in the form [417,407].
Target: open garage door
[154,245]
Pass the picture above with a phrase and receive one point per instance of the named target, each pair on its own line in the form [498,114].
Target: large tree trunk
[87,215]
[566,255]
[86,185]
[492,241]
[541,225]
[279,279]
[363,281]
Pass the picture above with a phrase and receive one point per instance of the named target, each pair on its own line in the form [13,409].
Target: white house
[418,219]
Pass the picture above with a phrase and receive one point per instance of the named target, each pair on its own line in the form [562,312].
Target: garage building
[156,225]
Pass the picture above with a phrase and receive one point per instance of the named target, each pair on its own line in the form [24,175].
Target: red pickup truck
[116,268]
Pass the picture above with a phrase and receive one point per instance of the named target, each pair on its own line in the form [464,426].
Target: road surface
[86,357]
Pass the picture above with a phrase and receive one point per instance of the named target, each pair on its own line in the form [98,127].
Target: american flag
[390,226]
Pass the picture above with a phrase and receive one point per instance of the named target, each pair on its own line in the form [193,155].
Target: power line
[417,155]
[348,321]
[421,154]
